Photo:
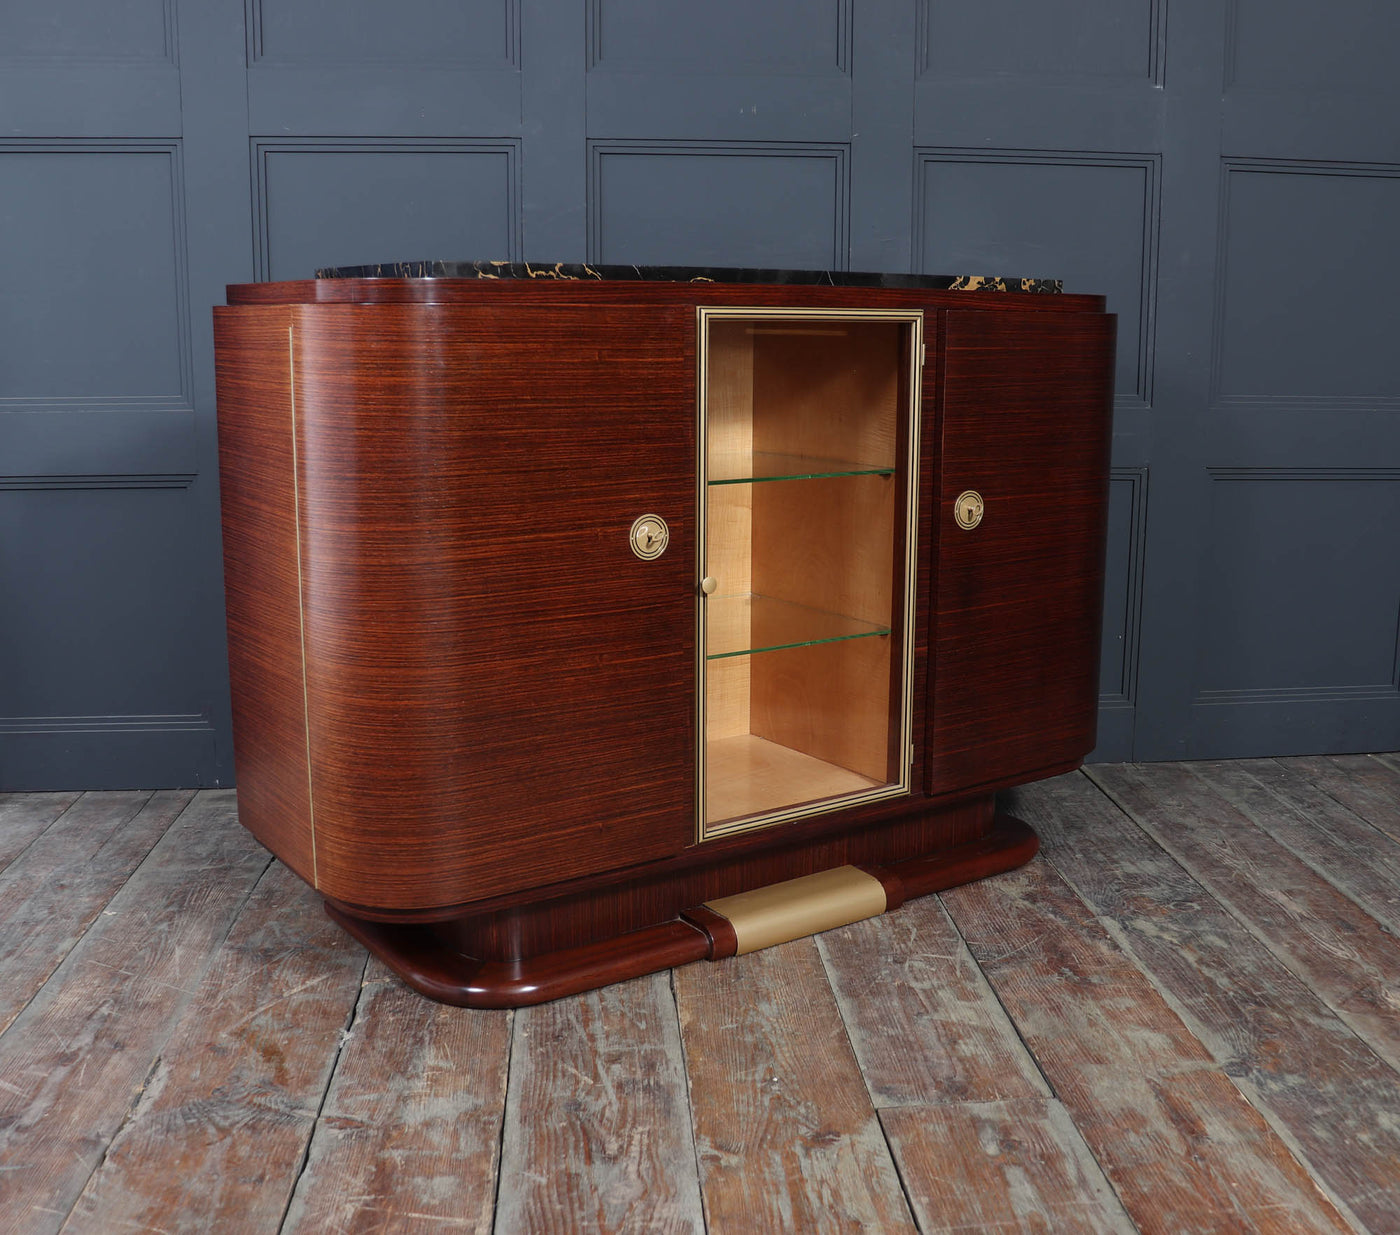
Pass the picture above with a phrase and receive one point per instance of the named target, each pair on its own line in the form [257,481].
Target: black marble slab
[689,274]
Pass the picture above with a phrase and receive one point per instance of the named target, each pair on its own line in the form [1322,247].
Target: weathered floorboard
[597,1135]
[1182,1147]
[1317,828]
[408,1138]
[1337,948]
[235,1094]
[1366,784]
[1328,1093]
[76,1058]
[924,1024]
[786,1136]
[1001,1167]
[23,816]
[50,894]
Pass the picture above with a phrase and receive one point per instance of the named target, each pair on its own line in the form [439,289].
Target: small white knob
[708,585]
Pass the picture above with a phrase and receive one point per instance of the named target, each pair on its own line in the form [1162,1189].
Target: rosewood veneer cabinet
[585,621]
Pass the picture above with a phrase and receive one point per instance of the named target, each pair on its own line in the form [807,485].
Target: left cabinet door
[498,691]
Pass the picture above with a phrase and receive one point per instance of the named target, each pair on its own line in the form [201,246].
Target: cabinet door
[1026,423]
[499,689]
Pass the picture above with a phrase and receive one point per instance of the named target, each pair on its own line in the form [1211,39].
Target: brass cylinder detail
[797,907]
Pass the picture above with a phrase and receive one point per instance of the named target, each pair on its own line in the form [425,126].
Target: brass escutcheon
[650,536]
[967,509]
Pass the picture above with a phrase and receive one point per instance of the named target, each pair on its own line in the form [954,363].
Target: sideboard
[585,621]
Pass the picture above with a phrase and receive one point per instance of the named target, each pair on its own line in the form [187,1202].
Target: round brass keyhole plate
[650,536]
[967,509]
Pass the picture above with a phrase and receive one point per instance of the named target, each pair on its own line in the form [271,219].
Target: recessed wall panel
[1344,45]
[1040,38]
[104,623]
[90,303]
[721,36]
[1309,263]
[1122,583]
[1089,221]
[1303,581]
[764,206]
[407,31]
[86,29]
[349,203]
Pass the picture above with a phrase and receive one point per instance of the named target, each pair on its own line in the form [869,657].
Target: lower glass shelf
[755,466]
[748,775]
[741,625]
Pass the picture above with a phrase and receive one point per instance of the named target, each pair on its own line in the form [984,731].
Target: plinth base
[425,957]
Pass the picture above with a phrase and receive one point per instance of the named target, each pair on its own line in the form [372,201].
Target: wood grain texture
[1365,784]
[52,893]
[408,1138]
[500,692]
[1025,422]
[1316,828]
[922,1020]
[1325,1091]
[235,1095]
[548,291]
[1001,1166]
[480,692]
[598,1138]
[23,816]
[78,1055]
[1318,932]
[1181,1145]
[785,1132]
[262,581]
[961,837]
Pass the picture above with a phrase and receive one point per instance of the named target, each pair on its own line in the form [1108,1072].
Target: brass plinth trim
[798,907]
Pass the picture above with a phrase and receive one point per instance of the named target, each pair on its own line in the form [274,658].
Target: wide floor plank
[786,1134]
[1318,1083]
[23,816]
[1315,827]
[408,1138]
[597,1135]
[924,1024]
[1001,1167]
[1337,948]
[1182,1147]
[1369,785]
[75,1060]
[225,1117]
[52,892]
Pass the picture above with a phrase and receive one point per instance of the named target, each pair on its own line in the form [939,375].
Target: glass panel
[806,635]
[746,467]
[740,625]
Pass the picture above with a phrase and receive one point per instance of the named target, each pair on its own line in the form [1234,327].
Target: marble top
[688,274]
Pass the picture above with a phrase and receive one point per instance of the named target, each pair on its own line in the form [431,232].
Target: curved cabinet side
[256,478]
[499,691]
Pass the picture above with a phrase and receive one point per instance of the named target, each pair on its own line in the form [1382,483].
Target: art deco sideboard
[585,621]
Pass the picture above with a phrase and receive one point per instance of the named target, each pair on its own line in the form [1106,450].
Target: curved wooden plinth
[426,962]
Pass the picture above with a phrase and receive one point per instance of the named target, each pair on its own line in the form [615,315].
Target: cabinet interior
[806,492]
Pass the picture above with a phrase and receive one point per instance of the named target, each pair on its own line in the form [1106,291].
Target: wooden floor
[1184,1016]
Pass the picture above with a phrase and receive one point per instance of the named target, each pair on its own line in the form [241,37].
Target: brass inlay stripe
[797,907]
[301,603]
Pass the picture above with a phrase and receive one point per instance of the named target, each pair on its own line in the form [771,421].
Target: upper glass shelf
[740,625]
[751,467]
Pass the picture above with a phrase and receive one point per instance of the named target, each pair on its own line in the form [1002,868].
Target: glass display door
[809,433]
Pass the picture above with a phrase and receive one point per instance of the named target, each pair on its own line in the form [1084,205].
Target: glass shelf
[740,625]
[753,467]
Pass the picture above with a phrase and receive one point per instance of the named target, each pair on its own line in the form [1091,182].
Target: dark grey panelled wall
[1227,173]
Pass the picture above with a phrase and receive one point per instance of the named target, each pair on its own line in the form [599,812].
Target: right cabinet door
[1026,415]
